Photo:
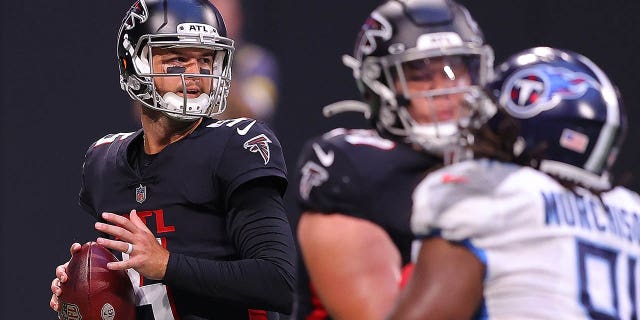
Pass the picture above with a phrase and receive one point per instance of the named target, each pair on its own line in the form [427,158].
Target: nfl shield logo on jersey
[141,194]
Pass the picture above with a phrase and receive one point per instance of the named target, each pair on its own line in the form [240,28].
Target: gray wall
[59,92]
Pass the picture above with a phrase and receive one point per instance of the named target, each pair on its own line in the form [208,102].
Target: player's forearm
[254,283]
[263,278]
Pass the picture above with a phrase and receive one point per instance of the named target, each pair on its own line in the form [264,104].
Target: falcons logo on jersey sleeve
[259,144]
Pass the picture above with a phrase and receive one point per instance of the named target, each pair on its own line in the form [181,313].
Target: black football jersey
[360,174]
[182,197]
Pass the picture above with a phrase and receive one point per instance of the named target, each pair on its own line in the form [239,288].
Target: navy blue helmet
[399,37]
[151,24]
[567,111]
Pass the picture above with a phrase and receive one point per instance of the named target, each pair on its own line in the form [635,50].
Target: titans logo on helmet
[539,88]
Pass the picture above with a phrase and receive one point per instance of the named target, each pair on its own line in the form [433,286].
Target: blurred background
[59,92]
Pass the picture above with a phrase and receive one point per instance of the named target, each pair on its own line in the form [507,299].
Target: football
[93,292]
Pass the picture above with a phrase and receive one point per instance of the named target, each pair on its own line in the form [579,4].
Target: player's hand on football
[147,256]
[61,277]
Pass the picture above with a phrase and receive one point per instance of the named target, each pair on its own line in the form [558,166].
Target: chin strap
[346,106]
[575,174]
[353,64]
[358,106]
[376,86]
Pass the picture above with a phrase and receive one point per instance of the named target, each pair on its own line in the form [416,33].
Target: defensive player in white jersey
[532,229]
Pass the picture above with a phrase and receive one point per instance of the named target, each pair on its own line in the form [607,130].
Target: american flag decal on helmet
[259,144]
[574,140]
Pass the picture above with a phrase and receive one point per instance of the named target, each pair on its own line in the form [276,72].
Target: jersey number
[150,298]
[600,285]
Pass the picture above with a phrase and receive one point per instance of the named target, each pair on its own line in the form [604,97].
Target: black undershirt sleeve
[264,277]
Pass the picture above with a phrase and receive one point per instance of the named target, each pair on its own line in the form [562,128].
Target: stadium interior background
[59,92]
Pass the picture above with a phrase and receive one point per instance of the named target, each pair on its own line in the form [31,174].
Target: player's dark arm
[446,283]
[264,277]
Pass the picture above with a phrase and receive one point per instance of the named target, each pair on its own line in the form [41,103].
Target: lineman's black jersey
[361,174]
[183,196]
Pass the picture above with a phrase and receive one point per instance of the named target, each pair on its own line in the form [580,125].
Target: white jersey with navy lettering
[549,253]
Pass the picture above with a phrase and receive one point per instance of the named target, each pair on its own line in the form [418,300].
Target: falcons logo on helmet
[376,26]
[138,12]
[259,144]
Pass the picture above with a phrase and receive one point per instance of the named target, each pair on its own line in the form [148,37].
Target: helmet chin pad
[172,105]
[435,130]
[434,137]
